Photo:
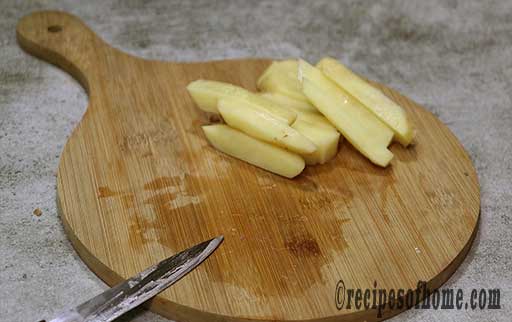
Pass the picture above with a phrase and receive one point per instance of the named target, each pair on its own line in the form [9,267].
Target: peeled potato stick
[261,154]
[206,95]
[358,125]
[325,139]
[261,125]
[389,112]
[281,77]
[286,101]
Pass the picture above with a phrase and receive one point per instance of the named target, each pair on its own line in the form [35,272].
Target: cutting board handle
[64,40]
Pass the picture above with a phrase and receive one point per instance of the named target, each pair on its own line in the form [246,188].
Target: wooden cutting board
[137,181]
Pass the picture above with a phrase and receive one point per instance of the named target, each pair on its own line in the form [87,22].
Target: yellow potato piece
[305,110]
[357,124]
[316,119]
[262,125]
[326,141]
[375,100]
[286,101]
[254,151]
[290,65]
[281,77]
[206,95]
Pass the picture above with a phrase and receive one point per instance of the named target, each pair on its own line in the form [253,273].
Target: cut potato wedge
[290,65]
[359,126]
[286,101]
[281,77]
[254,151]
[262,125]
[316,119]
[392,114]
[206,95]
[305,110]
[325,139]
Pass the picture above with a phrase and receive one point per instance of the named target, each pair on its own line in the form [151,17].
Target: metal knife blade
[127,295]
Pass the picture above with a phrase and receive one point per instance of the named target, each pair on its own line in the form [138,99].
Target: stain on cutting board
[156,218]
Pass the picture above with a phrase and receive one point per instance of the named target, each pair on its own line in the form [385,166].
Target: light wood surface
[137,181]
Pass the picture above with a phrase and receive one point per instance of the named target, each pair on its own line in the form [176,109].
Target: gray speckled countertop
[453,57]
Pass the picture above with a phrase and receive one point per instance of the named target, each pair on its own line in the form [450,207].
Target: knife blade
[125,296]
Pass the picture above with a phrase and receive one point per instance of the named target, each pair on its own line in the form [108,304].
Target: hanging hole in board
[54,28]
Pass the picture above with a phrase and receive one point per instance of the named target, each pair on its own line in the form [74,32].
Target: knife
[125,296]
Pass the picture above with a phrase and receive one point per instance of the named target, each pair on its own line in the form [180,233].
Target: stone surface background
[453,57]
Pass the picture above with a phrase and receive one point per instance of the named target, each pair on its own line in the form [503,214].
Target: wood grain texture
[137,181]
